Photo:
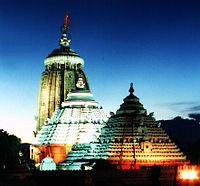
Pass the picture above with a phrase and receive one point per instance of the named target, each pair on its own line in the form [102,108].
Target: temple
[63,68]
[74,132]
[130,139]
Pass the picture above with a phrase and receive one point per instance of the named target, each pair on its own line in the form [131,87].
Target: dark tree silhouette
[195,116]
[10,147]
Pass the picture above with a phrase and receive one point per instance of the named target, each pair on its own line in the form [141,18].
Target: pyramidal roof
[78,120]
[63,67]
[131,138]
[79,117]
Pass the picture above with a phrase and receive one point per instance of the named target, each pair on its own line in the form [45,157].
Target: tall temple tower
[63,68]
[67,111]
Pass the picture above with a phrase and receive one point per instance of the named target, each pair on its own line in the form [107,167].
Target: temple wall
[59,87]
[53,90]
[69,81]
[56,151]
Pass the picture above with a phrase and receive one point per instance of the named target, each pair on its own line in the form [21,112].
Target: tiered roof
[63,67]
[79,119]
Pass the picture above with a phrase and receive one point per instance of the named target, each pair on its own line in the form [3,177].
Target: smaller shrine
[47,164]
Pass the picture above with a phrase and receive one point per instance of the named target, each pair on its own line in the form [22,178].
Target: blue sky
[154,44]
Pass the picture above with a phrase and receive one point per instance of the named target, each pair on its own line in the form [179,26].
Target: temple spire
[64,40]
[131,90]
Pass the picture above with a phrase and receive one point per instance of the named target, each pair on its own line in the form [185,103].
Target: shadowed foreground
[145,176]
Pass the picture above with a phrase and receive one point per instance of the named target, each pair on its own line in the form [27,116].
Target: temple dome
[64,55]
[63,51]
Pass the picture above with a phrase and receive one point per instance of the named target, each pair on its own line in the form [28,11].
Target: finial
[131,90]
[64,40]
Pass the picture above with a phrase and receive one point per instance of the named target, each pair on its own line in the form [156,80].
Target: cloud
[183,108]
[173,104]
[182,103]
[193,109]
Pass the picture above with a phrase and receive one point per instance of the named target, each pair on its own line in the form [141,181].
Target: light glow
[188,173]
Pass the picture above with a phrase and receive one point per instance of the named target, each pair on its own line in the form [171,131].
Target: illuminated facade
[63,68]
[73,130]
[130,139]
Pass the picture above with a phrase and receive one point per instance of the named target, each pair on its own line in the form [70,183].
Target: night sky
[154,44]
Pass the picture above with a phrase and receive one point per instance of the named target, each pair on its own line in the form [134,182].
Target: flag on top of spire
[67,20]
[64,40]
